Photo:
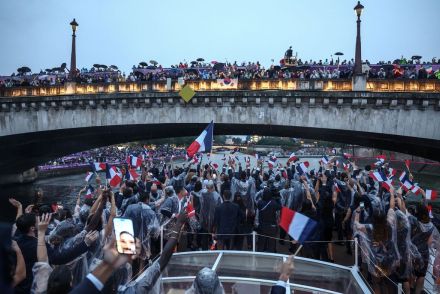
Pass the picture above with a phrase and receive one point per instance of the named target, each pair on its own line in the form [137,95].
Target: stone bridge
[36,127]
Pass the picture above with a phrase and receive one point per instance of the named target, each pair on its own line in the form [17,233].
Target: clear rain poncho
[208,202]
[247,190]
[145,225]
[406,248]
[381,256]
[148,283]
[206,282]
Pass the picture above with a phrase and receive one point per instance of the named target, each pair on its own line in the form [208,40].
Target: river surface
[64,189]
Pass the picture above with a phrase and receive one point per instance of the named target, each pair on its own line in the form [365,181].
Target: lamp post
[358,56]
[72,73]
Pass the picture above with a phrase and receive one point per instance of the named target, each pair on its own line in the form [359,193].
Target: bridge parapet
[268,98]
[338,85]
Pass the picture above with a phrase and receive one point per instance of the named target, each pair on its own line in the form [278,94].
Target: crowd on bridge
[199,70]
[115,155]
[199,205]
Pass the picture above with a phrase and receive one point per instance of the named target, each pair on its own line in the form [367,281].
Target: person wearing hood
[209,200]
[266,220]
[206,282]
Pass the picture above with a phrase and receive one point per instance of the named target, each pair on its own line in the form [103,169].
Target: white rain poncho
[381,256]
[145,225]
[41,272]
[406,248]
[208,202]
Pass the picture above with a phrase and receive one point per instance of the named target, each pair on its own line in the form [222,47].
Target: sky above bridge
[36,33]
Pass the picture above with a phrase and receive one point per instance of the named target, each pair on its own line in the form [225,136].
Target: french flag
[337,188]
[303,167]
[407,163]
[346,166]
[89,192]
[97,166]
[292,158]
[131,175]
[235,150]
[257,156]
[347,155]
[407,185]
[415,189]
[391,172]
[324,160]
[203,143]
[403,177]
[113,176]
[297,225]
[387,184]
[215,165]
[89,176]
[134,161]
[272,161]
[378,176]
[431,195]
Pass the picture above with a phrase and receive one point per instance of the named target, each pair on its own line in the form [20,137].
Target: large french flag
[203,143]
[292,157]
[297,225]
[131,174]
[431,194]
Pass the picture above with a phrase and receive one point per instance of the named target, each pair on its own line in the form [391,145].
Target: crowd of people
[114,154]
[328,69]
[201,206]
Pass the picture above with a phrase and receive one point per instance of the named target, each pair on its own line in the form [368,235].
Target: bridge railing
[374,85]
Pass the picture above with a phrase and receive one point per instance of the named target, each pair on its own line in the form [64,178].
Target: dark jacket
[28,247]
[227,218]
[86,286]
[267,212]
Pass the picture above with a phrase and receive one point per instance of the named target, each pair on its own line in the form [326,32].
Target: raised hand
[91,237]
[43,222]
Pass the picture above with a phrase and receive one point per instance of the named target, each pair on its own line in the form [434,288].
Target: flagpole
[297,250]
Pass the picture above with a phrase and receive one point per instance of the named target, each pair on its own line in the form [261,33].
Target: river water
[64,189]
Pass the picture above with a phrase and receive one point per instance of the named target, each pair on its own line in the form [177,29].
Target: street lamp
[358,56]
[72,72]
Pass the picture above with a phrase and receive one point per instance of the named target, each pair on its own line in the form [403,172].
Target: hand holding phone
[125,242]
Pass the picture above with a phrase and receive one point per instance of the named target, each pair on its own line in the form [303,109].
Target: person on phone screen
[126,243]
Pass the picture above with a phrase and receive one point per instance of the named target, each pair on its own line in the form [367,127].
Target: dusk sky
[36,33]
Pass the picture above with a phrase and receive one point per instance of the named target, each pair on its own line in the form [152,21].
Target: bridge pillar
[359,82]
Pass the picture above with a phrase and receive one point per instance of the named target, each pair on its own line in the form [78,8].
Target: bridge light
[358,9]
[74,24]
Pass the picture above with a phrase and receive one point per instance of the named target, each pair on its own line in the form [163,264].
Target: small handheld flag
[297,225]
[89,192]
[431,195]
[89,176]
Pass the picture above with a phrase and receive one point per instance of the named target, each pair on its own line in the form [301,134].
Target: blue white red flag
[303,167]
[113,176]
[89,192]
[98,166]
[131,174]
[203,143]
[297,225]
[89,176]
[378,176]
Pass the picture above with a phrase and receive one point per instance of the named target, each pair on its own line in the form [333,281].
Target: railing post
[356,251]
[254,234]
[161,239]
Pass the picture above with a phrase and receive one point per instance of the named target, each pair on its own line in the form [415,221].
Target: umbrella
[63,65]
[214,62]
[143,63]
[416,57]
[97,65]
[114,67]
[193,62]
[104,66]
[339,53]
[154,62]
[218,66]
[200,59]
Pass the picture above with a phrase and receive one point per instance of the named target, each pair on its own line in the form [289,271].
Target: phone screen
[362,205]
[125,242]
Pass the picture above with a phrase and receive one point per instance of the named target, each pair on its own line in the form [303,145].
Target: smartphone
[125,242]
[362,205]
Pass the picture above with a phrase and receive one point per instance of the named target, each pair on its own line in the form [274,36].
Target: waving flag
[324,160]
[391,172]
[415,189]
[227,83]
[97,166]
[292,158]
[346,166]
[131,174]
[203,143]
[407,163]
[89,192]
[134,161]
[431,195]
[303,167]
[257,156]
[297,225]
[403,177]
[378,176]
[113,176]
[347,155]
[387,184]
[89,176]
[235,150]
[272,161]
[406,185]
